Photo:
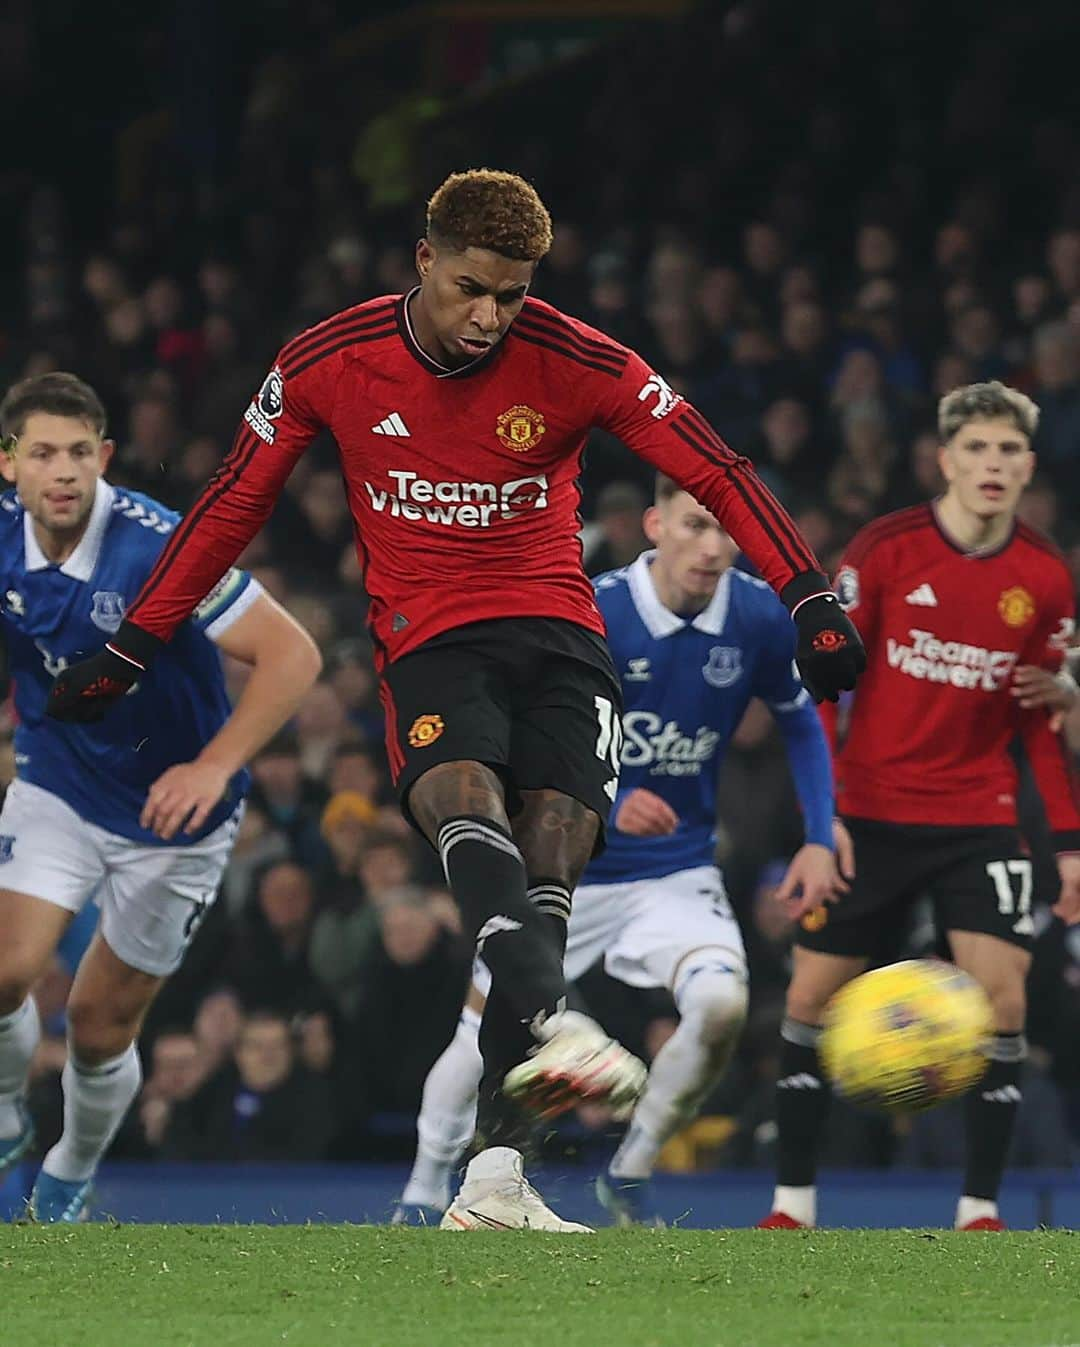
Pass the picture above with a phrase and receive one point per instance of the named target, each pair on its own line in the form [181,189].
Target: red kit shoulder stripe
[345,339]
[910,520]
[358,319]
[562,330]
[604,366]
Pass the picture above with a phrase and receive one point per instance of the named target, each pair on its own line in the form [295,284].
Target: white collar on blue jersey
[660,621]
[80,565]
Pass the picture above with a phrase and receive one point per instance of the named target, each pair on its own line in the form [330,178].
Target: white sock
[447,1116]
[970,1209]
[798,1203]
[20,1033]
[95,1101]
[711,997]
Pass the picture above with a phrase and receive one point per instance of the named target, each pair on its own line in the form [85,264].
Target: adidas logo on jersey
[392,425]
[923,597]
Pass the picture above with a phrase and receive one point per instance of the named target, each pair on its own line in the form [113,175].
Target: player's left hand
[1067,906]
[829,651]
[183,796]
[85,691]
[811,880]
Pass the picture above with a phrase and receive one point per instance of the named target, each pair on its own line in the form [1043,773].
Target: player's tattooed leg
[556,834]
[453,790]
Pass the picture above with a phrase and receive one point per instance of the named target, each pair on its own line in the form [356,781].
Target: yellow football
[907,1037]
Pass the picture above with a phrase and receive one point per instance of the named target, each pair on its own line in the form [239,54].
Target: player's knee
[713,994]
[16,979]
[97,1032]
[805,1003]
[1009,1005]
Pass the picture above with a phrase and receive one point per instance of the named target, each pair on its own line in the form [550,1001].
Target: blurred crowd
[813,280]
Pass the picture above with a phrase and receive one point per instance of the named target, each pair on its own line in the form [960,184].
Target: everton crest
[724,666]
[107,611]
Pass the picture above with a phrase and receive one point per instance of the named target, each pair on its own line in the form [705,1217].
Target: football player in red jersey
[460,411]
[951,598]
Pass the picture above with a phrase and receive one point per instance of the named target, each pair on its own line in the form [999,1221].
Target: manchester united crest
[520,428]
[425,730]
[1016,606]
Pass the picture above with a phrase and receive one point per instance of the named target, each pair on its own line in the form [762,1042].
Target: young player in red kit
[950,598]
[460,411]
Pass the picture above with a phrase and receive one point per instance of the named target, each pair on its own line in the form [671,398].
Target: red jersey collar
[978,553]
[440,371]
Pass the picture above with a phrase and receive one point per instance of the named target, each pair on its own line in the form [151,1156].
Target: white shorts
[152,899]
[643,930]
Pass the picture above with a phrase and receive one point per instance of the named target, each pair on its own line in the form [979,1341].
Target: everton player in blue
[139,811]
[693,640]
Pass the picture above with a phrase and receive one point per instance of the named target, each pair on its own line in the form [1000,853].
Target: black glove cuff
[136,645]
[802,587]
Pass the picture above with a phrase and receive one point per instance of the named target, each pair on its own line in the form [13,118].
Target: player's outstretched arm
[284,417]
[284,662]
[646,413]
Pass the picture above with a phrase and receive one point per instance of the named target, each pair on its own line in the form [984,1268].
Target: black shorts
[535,699]
[978,879]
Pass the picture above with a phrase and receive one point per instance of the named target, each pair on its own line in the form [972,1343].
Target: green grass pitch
[316,1286]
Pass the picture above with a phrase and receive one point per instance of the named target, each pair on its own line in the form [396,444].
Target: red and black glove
[85,691]
[829,651]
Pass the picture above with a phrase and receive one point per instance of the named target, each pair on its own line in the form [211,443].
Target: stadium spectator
[263,1106]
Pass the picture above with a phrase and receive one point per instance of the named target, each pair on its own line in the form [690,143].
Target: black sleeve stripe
[340,339]
[559,349]
[544,325]
[686,434]
[908,520]
[754,486]
[353,340]
[1039,540]
[236,460]
[332,327]
[708,437]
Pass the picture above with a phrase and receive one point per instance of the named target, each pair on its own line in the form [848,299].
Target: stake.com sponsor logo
[469,504]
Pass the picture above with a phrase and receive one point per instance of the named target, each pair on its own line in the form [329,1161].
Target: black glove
[829,652]
[85,691]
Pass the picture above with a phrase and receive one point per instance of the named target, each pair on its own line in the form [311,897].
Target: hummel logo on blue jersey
[637,670]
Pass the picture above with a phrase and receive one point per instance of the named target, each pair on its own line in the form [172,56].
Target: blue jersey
[54,615]
[686,683]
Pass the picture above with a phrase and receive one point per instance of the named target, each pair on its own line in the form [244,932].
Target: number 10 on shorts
[609,733]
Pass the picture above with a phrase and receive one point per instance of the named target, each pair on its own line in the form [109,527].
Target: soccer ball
[906,1037]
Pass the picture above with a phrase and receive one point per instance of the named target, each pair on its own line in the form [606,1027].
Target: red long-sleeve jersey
[933,718]
[462,483]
